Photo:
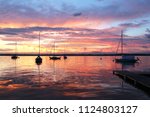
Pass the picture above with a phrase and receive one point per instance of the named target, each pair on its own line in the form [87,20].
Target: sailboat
[38,60]
[125,58]
[15,55]
[54,57]
[65,56]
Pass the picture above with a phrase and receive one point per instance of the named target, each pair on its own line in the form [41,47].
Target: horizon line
[76,54]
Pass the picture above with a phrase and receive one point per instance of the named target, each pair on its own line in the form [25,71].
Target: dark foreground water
[74,78]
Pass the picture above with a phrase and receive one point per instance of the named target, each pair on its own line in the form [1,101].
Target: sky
[89,26]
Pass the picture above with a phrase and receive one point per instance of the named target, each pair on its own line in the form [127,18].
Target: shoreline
[101,54]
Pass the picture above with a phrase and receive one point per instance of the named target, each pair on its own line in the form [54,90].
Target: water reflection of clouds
[75,77]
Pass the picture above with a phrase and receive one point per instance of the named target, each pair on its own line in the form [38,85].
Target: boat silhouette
[38,60]
[54,57]
[65,57]
[125,58]
[14,56]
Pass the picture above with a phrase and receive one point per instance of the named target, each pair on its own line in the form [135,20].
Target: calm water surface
[74,78]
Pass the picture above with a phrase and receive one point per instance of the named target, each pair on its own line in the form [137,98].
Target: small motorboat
[65,57]
[14,57]
[55,58]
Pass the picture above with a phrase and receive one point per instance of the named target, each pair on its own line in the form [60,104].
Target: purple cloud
[77,14]
[148,33]
[134,25]
[31,12]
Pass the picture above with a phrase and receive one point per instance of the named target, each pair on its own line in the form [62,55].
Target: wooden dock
[140,81]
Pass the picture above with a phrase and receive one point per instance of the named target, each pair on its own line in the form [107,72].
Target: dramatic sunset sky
[75,25]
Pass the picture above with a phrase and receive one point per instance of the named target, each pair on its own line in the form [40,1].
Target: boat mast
[38,60]
[54,47]
[16,48]
[122,42]
[39,43]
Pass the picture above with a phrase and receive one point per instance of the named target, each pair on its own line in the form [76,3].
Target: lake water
[74,78]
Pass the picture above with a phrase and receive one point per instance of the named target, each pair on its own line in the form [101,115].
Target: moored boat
[15,55]
[125,58]
[38,60]
[54,57]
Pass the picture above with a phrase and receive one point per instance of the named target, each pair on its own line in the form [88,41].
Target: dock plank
[142,80]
